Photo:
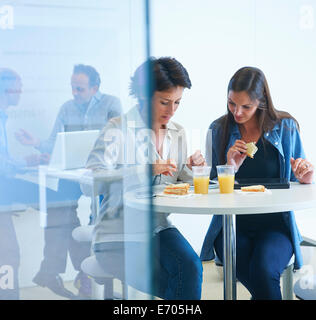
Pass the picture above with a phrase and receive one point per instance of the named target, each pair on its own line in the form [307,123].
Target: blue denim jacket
[286,139]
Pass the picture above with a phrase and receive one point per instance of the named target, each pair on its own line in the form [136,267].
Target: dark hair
[254,83]
[90,72]
[7,79]
[167,73]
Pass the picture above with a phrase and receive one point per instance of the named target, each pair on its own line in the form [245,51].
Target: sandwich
[251,149]
[178,189]
[257,188]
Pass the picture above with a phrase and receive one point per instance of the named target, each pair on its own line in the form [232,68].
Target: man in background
[88,110]
[13,191]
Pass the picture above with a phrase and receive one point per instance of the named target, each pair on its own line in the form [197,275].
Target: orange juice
[226,183]
[201,184]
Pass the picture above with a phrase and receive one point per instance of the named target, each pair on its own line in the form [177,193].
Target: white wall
[214,38]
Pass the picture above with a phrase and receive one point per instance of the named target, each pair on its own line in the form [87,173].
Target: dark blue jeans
[261,258]
[178,270]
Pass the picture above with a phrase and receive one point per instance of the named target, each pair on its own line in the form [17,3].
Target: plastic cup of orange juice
[226,178]
[201,179]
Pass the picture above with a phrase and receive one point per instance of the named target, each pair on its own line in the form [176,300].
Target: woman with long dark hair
[265,243]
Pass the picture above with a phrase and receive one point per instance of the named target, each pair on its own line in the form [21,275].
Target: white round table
[298,197]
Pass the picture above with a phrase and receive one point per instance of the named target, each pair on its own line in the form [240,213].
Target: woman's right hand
[237,154]
[165,167]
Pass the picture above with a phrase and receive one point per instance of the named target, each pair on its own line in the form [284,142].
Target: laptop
[71,149]
[270,183]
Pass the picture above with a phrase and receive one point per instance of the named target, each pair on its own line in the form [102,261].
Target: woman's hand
[237,154]
[165,167]
[196,159]
[303,170]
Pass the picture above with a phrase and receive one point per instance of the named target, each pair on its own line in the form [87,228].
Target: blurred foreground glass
[201,179]
[226,178]
[37,44]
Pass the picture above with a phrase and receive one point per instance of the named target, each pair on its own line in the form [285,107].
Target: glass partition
[75,190]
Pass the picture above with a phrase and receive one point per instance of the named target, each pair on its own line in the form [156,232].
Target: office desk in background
[298,197]
[49,176]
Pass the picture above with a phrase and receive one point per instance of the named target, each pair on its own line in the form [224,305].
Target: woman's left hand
[303,170]
[196,159]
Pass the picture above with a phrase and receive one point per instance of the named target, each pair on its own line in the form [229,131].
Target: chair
[308,291]
[83,233]
[91,267]
[287,281]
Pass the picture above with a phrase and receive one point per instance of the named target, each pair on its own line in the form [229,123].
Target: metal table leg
[42,198]
[229,257]
[95,205]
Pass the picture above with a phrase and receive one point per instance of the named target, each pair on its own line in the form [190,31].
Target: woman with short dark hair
[178,269]
[265,243]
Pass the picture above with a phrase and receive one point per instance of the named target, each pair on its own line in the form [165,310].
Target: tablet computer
[270,183]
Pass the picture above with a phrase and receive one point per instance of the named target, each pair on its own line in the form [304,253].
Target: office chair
[306,292]
[91,267]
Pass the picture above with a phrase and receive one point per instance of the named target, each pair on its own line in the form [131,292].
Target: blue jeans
[178,270]
[261,258]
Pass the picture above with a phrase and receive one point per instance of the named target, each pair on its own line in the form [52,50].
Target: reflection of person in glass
[12,190]
[264,243]
[89,109]
[10,89]
[179,270]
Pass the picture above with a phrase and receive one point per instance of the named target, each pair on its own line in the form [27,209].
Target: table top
[298,197]
[82,175]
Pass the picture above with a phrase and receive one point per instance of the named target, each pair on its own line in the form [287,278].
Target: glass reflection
[47,132]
